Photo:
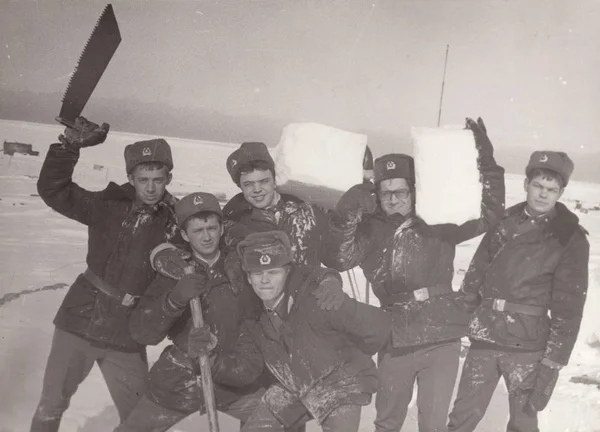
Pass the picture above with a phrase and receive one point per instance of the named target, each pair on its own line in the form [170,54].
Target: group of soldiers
[284,342]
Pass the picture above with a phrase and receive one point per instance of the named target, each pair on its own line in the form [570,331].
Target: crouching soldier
[173,391]
[124,223]
[534,262]
[320,360]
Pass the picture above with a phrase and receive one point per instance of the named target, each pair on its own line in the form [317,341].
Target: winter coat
[172,381]
[402,255]
[120,238]
[320,359]
[304,224]
[545,266]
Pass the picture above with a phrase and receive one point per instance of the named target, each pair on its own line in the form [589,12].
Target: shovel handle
[205,380]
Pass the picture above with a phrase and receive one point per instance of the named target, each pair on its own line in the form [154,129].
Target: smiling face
[542,194]
[203,234]
[269,285]
[258,187]
[149,182]
[395,196]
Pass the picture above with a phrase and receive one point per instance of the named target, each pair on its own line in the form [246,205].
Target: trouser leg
[148,416]
[70,361]
[517,369]
[397,377]
[125,375]
[480,376]
[345,418]
[436,377]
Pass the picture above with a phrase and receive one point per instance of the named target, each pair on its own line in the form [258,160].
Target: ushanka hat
[194,203]
[247,153]
[154,150]
[394,165]
[265,250]
[559,162]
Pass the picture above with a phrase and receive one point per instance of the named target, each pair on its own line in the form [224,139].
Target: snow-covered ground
[42,253]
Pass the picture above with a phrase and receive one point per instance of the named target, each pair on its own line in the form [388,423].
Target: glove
[471,301]
[84,134]
[188,287]
[330,294]
[482,142]
[358,199]
[170,262]
[201,342]
[545,381]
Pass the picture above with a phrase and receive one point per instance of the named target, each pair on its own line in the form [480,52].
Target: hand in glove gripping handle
[357,200]
[545,381]
[84,134]
[188,287]
[482,141]
[201,342]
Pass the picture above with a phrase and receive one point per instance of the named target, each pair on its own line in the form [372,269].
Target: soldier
[321,360]
[410,266]
[534,262]
[172,392]
[124,223]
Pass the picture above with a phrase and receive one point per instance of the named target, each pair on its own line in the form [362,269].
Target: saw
[94,59]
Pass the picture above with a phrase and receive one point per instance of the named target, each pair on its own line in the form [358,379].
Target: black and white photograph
[299,216]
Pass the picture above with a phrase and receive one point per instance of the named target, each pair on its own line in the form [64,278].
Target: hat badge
[390,165]
[544,158]
[198,200]
[233,163]
[146,151]
[265,259]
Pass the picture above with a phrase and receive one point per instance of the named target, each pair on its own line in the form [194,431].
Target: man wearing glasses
[410,265]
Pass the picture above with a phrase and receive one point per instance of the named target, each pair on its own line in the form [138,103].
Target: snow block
[448,189]
[318,163]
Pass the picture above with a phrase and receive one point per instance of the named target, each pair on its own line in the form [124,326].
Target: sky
[241,70]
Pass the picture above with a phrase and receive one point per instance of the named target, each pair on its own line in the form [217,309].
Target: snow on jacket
[547,267]
[304,224]
[120,238]
[402,255]
[320,359]
[172,381]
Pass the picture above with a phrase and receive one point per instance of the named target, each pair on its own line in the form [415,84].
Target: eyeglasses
[400,194]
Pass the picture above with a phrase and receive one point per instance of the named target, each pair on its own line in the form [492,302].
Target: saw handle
[65,122]
[205,380]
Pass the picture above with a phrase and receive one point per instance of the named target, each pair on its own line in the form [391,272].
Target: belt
[126,299]
[502,305]
[420,294]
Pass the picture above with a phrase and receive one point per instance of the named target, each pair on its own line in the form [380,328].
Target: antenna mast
[443,82]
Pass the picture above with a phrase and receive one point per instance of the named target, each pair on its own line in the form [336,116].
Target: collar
[276,305]
[207,263]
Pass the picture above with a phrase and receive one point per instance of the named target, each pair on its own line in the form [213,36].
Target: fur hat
[265,250]
[194,203]
[559,162]
[248,152]
[154,150]
[394,165]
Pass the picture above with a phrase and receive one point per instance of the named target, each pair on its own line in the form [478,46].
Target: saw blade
[94,59]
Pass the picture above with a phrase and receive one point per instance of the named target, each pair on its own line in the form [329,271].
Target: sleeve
[477,268]
[240,365]
[368,326]
[153,317]
[57,189]
[569,289]
[492,203]
[345,245]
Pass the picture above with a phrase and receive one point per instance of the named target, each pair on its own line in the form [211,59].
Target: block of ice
[448,189]
[318,163]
